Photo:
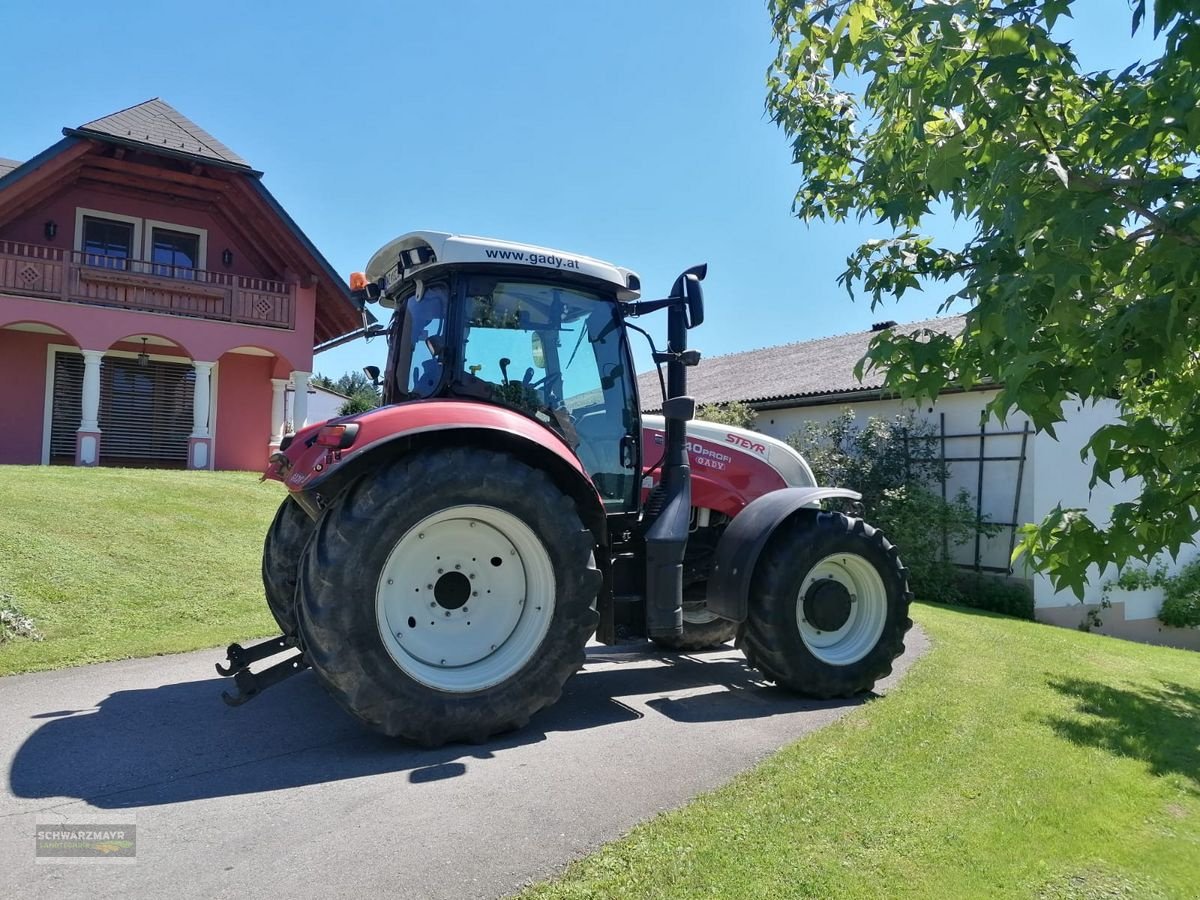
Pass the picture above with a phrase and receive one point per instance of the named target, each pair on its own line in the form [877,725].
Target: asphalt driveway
[288,796]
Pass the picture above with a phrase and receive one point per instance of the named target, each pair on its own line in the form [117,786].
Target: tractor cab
[526,328]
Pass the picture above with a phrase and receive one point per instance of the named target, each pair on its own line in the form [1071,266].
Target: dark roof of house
[806,369]
[7,165]
[159,126]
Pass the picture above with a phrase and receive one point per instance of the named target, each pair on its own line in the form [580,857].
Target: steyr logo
[746,444]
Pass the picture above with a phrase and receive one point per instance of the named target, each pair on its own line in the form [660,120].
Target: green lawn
[1015,760]
[112,563]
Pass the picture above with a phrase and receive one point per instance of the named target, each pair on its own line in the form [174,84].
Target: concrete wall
[243,429]
[23,396]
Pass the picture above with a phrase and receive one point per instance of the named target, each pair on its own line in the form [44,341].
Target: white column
[300,400]
[201,399]
[278,411]
[90,419]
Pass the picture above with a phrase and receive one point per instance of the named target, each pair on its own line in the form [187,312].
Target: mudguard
[309,469]
[743,541]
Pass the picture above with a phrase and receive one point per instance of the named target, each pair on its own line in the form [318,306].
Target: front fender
[739,548]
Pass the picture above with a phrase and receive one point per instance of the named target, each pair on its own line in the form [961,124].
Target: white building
[322,403]
[1024,475]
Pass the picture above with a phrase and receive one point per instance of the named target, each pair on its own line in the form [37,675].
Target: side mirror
[687,287]
[537,350]
[372,372]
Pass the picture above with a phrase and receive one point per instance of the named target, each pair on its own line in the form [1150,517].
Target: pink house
[157,305]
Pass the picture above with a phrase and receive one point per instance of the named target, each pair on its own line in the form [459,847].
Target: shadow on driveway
[179,742]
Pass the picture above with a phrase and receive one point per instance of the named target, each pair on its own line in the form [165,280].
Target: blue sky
[630,131]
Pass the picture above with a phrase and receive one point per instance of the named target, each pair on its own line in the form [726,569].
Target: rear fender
[316,475]
[739,548]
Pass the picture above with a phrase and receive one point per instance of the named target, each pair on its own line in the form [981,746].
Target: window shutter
[66,406]
[145,413]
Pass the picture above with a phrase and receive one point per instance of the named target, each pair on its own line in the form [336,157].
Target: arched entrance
[249,388]
[129,405]
[25,355]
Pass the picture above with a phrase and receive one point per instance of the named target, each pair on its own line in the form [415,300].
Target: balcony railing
[32,270]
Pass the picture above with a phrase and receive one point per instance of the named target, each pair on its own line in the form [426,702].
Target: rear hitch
[249,684]
[240,657]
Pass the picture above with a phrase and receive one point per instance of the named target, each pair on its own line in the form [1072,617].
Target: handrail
[77,277]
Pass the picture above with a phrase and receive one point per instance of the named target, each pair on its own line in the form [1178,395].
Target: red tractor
[442,562]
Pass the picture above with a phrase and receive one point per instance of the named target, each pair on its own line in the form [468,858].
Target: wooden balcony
[32,270]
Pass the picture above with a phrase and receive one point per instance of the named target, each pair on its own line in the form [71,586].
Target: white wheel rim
[465,598]
[860,632]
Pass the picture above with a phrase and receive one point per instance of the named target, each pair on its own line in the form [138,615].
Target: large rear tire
[282,549]
[828,608]
[448,596]
[702,630]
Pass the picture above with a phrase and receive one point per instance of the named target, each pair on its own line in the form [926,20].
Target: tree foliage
[362,395]
[1080,274]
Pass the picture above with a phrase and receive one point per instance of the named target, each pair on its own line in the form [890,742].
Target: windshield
[555,353]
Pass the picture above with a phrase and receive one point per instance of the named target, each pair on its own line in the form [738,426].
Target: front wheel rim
[852,580]
[465,598]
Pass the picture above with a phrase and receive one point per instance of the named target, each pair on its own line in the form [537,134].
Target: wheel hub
[841,608]
[827,605]
[452,590]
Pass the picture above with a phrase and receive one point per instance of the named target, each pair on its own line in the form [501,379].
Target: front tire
[448,596]
[829,607]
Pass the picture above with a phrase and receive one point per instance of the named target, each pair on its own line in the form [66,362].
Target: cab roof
[419,251]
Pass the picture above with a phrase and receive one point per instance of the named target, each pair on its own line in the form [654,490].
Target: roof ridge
[184,128]
[156,124]
[117,112]
[830,337]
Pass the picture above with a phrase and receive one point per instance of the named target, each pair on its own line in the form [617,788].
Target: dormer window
[174,254]
[107,242]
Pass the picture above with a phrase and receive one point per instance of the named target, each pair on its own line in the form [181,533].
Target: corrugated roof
[808,369]
[7,165]
[159,126]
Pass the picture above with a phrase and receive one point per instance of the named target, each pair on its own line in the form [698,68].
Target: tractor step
[240,657]
[250,684]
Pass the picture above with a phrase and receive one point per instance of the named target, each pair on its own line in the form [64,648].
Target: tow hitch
[250,684]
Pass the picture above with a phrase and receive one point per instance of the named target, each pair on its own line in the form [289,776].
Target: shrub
[1181,592]
[882,455]
[14,624]
[979,590]
[735,413]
